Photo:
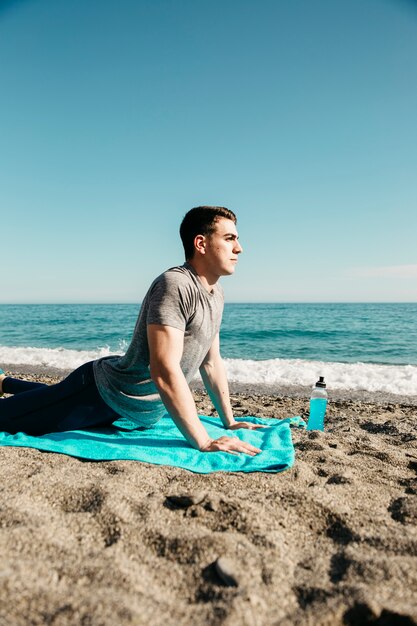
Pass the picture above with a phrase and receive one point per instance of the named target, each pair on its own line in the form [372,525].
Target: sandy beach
[332,541]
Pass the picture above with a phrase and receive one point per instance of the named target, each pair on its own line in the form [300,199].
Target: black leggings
[72,404]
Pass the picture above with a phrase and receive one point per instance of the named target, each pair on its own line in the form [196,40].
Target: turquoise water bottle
[318,404]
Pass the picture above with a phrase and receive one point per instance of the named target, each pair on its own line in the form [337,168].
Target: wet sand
[331,541]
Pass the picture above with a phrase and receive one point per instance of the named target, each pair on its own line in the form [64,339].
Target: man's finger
[234,445]
[246,447]
[247,425]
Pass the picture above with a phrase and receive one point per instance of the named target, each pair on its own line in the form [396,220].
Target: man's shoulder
[182,280]
[177,275]
[176,283]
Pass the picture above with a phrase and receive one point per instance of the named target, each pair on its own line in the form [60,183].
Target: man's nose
[238,248]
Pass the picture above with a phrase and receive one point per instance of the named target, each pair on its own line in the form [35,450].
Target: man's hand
[247,425]
[232,445]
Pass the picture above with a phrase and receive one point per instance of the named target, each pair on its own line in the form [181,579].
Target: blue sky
[119,116]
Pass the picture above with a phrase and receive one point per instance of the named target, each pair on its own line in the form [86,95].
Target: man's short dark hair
[201,220]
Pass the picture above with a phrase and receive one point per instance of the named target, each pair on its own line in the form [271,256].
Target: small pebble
[226,570]
[339,479]
[184,500]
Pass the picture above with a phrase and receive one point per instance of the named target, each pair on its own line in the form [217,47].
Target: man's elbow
[158,375]
[162,375]
[208,366]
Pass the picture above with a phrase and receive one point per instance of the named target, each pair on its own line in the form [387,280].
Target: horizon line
[138,302]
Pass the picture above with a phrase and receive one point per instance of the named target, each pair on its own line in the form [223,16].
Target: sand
[331,541]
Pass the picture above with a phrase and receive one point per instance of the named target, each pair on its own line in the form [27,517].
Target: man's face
[222,248]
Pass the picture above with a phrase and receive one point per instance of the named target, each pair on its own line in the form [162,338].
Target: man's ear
[200,244]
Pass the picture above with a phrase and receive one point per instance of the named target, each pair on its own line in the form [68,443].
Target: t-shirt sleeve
[171,301]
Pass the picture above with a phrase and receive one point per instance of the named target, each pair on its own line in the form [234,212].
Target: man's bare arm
[165,348]
[215,381]
[213,373]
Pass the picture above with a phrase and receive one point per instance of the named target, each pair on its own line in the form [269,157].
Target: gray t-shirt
[176,298]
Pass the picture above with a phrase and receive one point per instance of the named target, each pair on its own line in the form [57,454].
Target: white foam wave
[61,358]
[397,379]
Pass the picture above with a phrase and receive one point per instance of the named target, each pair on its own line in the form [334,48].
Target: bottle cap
[320,383]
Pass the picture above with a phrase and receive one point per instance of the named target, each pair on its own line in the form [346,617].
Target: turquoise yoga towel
[163,444]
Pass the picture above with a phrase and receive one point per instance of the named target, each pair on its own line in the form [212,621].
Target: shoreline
[52,375]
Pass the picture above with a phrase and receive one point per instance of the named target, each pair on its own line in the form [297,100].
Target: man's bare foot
[2,377]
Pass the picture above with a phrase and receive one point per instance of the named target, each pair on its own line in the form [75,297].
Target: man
[215,251]
[177,333]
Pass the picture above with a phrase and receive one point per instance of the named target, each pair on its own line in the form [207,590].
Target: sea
[361,347]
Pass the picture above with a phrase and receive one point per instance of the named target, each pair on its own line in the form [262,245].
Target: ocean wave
[61,358]
[397,379]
